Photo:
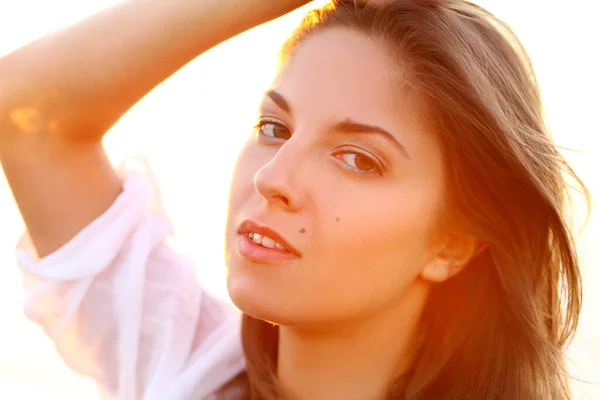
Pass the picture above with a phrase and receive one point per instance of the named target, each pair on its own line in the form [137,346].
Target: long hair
[498,329]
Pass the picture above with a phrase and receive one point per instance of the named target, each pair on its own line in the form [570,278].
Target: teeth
[266,241]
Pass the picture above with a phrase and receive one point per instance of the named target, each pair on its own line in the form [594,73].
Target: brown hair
[497,329]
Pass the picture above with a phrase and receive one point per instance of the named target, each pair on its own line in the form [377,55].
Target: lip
[249,225]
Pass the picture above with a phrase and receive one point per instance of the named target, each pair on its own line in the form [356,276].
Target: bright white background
[191,127]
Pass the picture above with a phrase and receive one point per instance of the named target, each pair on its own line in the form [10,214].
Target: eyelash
[378,166]
[260,125]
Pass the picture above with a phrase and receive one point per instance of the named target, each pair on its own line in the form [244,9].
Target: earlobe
[435,271]
[456,255]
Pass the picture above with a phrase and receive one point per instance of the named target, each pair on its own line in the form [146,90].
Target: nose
[278,182]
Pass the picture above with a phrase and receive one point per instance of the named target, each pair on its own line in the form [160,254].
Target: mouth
[262,244]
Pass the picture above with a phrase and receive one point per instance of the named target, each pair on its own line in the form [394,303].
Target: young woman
[395,230]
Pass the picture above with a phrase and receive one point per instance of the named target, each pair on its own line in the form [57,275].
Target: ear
[457,252]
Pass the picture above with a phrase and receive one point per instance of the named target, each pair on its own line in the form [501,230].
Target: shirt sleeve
[125,308]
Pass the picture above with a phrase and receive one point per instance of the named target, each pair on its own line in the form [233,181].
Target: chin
[251,299]
[261,299]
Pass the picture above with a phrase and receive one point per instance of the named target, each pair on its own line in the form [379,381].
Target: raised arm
[120,305]
[60,94]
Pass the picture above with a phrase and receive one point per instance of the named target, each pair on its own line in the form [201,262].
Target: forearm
[82,79]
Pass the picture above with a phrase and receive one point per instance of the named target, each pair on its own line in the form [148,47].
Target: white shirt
[127,310]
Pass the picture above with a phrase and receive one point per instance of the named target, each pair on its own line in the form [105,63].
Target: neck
[353,360]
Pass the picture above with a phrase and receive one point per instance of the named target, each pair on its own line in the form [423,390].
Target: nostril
[281,199]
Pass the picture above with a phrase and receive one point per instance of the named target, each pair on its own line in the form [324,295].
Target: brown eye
[272,130]
[359,162]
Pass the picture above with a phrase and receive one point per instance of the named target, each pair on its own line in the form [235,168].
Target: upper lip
[249,225]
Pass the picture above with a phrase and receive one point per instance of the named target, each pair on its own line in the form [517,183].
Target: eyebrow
[347,126]
[279,100]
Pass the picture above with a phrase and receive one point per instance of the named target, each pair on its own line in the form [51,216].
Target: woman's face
[342,174]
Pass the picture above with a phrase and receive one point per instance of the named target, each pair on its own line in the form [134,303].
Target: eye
[272,130]
[358,162]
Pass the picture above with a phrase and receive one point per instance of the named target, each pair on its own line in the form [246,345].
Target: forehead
[342,71]
[338,73]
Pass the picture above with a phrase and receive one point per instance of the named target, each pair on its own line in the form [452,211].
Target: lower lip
[260,254]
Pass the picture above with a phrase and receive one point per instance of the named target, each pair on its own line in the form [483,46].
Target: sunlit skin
[30,366]
[362,208]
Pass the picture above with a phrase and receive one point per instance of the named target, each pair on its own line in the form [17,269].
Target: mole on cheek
[337,219]
[302,230]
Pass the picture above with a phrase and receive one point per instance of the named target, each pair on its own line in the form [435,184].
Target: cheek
[380,224]
[241,190]
[377,247]
[250,159]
